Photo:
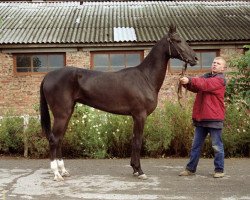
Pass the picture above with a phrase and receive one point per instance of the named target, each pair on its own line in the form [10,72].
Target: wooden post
[25,139]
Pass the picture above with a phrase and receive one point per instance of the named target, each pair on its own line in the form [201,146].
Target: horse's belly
[106,103]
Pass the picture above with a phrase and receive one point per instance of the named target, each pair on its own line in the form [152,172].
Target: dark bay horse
[130,91]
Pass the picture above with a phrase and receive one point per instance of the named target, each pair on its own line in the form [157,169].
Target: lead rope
[179,91]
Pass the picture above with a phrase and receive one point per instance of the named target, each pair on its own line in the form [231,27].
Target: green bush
[236,132]
[157,133]
[119,134]
[37,143]
[180,120]
[95,134]
[11,129]
[238,87]
[85,135]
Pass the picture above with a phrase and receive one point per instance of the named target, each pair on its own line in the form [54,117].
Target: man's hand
[184,80]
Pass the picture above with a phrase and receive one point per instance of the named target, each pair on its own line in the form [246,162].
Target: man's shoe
[219,175]
[186,173]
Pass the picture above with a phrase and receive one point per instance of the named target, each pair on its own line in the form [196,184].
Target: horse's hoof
[136,174]
[143,177]
[65,174]
[58,178]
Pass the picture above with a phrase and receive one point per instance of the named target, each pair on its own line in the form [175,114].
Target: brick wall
[78,59]
[19,94]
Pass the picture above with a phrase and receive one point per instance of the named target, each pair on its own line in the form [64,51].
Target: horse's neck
[154,66]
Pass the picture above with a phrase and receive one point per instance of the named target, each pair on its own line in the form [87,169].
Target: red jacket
[209,101]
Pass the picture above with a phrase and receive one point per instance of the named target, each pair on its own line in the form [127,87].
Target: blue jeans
[217,144]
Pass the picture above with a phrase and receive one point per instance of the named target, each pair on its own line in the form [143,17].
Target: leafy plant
[158,134]
[238,87]
[236,132]
[95,134]
[11,129]
[36,143]
[180,120]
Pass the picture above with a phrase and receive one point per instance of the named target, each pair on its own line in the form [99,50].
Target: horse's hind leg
[60,161]
[59,129]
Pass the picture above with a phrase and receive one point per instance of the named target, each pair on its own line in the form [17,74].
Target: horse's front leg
[139,122]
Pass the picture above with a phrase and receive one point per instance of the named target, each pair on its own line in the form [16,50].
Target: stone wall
[19,94]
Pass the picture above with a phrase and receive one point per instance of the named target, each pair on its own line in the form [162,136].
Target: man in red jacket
[208,115]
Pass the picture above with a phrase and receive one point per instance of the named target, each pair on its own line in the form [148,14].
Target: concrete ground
[111,179]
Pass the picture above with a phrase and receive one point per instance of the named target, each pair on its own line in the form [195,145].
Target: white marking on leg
[61,167]
[143,177]
[136,174]
[54,167]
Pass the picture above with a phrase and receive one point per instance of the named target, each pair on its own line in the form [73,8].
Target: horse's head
[178,47]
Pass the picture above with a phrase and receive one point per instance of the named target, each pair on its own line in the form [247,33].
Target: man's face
[218,66]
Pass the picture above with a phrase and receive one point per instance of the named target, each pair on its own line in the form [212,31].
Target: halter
[169,47]
[184,68]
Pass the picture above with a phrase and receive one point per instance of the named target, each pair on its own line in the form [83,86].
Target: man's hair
[221,58]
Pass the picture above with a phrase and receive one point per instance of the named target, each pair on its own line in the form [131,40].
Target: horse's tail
[44,112]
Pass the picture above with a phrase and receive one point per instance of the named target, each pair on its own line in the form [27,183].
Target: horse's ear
[172,28]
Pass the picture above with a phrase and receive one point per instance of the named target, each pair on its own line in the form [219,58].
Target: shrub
[95,134]
[238,87]
[118,129]
[180,120]
[11,129]
[37,143]
[158,133]
[236,132]
[85,135]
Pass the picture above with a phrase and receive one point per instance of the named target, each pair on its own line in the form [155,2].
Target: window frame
[195,71]
[109,53]
[31,55]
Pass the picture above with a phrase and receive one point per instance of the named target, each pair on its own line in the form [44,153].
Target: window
[114,61]
[33,63]
[205,60]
